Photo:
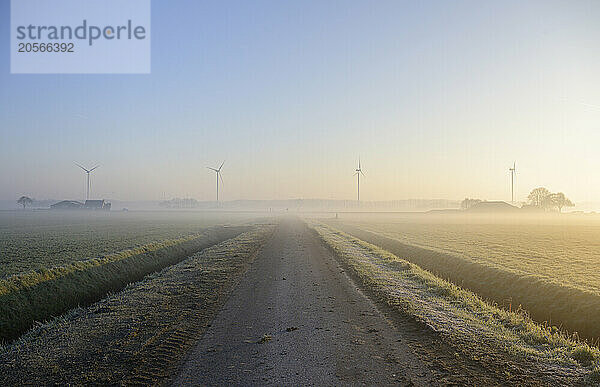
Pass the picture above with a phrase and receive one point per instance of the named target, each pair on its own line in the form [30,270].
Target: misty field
[34,240]
[461,316]
[55,261]
[550,265]
[139,334]
[565,250]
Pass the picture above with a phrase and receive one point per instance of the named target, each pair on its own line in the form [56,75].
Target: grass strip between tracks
[458,314]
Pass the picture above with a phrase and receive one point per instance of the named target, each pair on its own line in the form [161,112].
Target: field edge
[41,295]
[141,334]
[441,305]
[571,309]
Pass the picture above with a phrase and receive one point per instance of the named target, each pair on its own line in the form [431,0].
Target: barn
[67,205]
[96,205]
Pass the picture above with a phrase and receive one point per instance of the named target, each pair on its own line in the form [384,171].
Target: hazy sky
[437,97]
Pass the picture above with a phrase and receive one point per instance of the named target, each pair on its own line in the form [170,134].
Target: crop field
[34,240]
[53,262]
[141,333]
[550,265]
[458,314]
[562,250]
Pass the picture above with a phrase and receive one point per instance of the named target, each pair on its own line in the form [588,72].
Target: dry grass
[461,316]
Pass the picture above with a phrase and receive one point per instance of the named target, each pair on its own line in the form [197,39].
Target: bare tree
[468,203]
[25,201]
[560,201]
[538,197]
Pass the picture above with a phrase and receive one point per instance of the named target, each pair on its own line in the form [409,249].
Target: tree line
[539,198]
[543,199]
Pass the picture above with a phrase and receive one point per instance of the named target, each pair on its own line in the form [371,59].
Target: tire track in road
[297,319]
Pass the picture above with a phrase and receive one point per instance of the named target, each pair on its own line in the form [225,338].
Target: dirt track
[298,319]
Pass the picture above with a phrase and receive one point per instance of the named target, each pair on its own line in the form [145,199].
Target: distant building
[75,205]
[96,205]
[532,208]
[494,206]
[67,205]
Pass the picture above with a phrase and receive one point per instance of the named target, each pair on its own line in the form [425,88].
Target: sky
[437,99]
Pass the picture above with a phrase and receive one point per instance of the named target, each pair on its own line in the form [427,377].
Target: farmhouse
[493,206]
[97,205]
[75,205]
[67,205]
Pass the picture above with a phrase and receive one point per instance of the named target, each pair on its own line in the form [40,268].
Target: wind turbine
[87,171]
[358,173]
[218,171]
[512,170]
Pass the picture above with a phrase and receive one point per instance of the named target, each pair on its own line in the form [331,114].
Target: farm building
[97,205]
[67,205]
[493,206]
[75,205]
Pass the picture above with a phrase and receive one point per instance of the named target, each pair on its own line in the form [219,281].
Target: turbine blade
[94,168]
[221,176]
[212,169]
[222,165]
[362,172]
[82,167]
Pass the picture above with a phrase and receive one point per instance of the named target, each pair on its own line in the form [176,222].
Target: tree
[468,203]
[560,200]
[539,197]
[25,201]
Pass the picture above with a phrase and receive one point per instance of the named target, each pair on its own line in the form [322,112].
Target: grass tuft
[594,376]
[584,354]
[265,339]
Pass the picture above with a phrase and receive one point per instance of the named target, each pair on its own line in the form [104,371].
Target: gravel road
[297,319]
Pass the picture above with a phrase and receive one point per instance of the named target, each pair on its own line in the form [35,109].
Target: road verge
[458,315]
[574,310]
[139,335]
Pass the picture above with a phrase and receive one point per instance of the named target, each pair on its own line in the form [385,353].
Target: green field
[34,240]
[549,265]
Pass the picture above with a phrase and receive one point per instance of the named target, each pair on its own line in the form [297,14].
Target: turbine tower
[218,172]
[358,173]
[512,170]
[87,171]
